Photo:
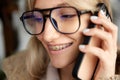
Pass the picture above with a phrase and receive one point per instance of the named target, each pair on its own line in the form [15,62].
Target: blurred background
[12,34]
[13,37]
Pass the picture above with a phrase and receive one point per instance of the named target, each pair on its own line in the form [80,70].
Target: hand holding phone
[83,60]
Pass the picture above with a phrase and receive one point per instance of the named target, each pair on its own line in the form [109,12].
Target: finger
[93,50]
[104,15]
[104,36]
[108,26]
[100,53]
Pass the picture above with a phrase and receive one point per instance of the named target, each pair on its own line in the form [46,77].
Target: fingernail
[86,30]
[102,12]
[93,17]
[82,47]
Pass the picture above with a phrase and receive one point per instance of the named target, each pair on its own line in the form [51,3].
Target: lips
[59,47]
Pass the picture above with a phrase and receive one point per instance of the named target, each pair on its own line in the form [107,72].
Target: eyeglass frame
[79,13]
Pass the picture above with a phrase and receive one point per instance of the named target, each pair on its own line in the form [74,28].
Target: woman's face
[62,48]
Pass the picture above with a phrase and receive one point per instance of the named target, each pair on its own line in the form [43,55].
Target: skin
[65,59]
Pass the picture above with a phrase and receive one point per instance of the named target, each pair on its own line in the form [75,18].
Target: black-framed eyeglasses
[65,20]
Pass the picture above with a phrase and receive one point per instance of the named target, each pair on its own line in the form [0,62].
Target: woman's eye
[28,16]
[68,16]
[38,19]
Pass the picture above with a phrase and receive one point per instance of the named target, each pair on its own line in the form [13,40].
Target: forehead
[48,3]
[79,4]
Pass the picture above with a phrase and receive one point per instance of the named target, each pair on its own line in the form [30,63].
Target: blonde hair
[89,4]
[37,60]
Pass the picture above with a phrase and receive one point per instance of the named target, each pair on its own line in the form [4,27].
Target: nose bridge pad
[54,22]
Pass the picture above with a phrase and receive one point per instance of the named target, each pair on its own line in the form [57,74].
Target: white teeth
[59,47]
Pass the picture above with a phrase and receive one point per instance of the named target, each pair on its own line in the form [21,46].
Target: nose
[49,34]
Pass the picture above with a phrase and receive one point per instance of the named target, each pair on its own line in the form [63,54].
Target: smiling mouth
[59,47]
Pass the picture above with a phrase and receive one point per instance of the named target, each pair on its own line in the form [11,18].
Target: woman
[58,31]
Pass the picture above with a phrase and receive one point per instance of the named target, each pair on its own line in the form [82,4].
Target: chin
[58,63]
[65,57]
[62,62]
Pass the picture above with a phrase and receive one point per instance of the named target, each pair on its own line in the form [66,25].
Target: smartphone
[86,64]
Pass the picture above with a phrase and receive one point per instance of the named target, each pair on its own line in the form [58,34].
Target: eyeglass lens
[64,20]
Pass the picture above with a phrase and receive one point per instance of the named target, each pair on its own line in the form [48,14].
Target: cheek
[78,36]
[84,22]
[39,37]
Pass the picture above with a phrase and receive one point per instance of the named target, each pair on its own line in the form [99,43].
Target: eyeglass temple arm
[85,11]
